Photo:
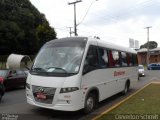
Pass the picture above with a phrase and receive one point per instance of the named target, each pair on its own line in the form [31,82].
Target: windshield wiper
[58,69]
[38,69]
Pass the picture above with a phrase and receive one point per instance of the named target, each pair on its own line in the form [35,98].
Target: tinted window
[124,59]
[134,59]
[129,59]
[12,73]
[154,65]
[140,67]
[114,58]
[19,72]
[91,61]
[103,58]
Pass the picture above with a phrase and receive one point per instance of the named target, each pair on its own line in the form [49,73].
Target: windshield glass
[3,73]
[140,67]
[60,57]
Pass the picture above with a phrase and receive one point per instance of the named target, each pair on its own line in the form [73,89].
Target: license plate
[41,96]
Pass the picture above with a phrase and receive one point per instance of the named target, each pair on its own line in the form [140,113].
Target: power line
[87,12]
[129,10]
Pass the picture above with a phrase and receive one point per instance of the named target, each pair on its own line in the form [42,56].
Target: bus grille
[43,94]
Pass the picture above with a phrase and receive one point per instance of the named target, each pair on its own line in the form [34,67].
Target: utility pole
[70,31]
[148,44]
[75,24]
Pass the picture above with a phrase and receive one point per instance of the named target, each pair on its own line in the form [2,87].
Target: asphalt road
[14,105]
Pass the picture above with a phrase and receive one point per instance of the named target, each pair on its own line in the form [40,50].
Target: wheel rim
[90,103]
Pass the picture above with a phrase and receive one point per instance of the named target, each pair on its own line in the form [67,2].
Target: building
[154,55]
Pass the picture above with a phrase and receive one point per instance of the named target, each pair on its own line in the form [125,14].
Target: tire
[90,103]
[126,88]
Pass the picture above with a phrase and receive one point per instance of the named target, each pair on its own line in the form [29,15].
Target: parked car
[13,78]
[141,70]
[154,66]
[2,89]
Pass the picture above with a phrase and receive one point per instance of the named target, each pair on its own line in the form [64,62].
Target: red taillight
[1,80]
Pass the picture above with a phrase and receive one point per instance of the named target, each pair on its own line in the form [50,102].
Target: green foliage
[145,102]
[23,29]
[152,45]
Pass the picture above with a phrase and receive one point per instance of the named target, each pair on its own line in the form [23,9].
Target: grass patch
[146,102]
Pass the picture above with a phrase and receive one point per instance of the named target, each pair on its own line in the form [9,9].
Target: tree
[23,29]
[152,45]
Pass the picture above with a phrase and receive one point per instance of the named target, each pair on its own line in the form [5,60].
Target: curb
[155,82]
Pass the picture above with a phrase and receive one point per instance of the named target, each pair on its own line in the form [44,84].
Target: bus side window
[129,59]
[91,61]
[111,60]
[103,58]
[114,60]
[124,59]
[134,59]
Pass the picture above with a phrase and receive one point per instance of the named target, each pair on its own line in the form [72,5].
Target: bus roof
[112,46]
[71,39]
[100,43]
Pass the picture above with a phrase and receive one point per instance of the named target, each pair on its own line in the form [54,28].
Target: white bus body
[74,73]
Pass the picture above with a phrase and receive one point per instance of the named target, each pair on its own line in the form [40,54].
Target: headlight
[69,89]
[27,85]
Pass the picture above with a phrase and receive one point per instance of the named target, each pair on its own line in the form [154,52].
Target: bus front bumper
[61,102]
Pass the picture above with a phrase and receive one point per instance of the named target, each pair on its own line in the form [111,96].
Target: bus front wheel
[90,103]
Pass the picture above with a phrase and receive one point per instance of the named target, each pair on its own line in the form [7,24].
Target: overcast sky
[112,20]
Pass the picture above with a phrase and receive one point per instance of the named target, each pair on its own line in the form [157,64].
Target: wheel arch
[128,82]
[93,90]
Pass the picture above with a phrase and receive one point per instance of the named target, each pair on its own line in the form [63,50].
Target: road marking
[116,105]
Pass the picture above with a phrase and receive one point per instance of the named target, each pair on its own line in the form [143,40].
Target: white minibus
[75,73]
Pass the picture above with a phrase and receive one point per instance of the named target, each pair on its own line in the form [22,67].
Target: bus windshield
[59,58]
